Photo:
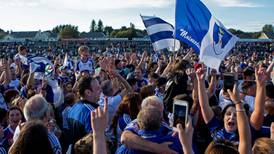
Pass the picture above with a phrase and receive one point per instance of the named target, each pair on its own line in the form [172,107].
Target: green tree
[69,31]
[108,30]
[93,27]
[2,33]
[267,28]
[132,26]
[58,29]
[100,27]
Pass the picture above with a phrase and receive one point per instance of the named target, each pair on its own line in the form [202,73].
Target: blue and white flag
[160,33]
[41,66]
[196,26]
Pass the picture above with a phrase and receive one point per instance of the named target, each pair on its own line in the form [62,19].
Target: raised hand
[234,96]
[261,75]
[99,119]
[200,73]
[185,136]
[191,73]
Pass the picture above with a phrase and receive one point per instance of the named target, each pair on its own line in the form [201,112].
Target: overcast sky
[26,15]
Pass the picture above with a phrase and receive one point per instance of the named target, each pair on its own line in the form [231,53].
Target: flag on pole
[160,33]
[196,26]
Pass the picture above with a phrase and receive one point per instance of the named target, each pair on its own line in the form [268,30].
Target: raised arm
[242,123]
[99,120]
[269,69]
[212,83]
[136,142]
[257,116]
[141,63]
[185,136]
[206,110]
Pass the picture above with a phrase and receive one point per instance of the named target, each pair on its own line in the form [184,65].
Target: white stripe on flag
[166,43]
[158,28]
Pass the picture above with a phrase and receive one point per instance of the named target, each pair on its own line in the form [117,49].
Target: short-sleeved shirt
[123,121]
[85,66]
[113,103]
[79,119]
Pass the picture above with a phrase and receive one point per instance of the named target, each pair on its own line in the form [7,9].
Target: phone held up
[180,113]
[229,81]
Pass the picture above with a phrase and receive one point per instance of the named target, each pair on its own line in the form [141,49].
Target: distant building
[93,36]
[23,36]
[267,35]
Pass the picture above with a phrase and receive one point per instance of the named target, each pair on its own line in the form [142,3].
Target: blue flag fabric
[160,33]
[196,26]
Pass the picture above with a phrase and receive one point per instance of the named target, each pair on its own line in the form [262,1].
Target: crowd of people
[110,100]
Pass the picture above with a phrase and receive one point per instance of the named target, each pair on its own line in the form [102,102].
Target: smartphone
[180,112]
[229,82]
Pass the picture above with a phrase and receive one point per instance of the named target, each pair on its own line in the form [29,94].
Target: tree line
[71,31]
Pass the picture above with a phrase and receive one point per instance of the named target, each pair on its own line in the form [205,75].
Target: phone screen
[179,115]
[228,82]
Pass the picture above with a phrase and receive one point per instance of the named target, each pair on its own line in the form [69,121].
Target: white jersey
[85,66]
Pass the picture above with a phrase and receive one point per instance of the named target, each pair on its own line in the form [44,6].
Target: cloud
[236,3]
[87,5]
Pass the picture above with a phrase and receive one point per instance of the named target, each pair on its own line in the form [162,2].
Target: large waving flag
[196,26]
[160,33]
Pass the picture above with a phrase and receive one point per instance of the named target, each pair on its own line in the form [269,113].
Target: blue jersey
[79,119]
[218,132]
[154,136]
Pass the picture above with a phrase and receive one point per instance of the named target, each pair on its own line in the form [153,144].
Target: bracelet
[238,102]
[240,110]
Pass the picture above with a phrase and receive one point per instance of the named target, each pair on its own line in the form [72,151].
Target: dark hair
[161,81]
[181,65]
[21,48]
[147,90]
[84,84]
[269,90]
[33,138]
[246,85]
[117,61]
[17,108]
[3,115]
[10,94]
[248,71]
[69,98]
[130,105]
[246,107]
[225,108]
[153,75]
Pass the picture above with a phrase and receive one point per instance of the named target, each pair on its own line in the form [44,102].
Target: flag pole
[174,32]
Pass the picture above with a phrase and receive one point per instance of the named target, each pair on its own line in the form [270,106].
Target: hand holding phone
[229,82]
[180,113]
